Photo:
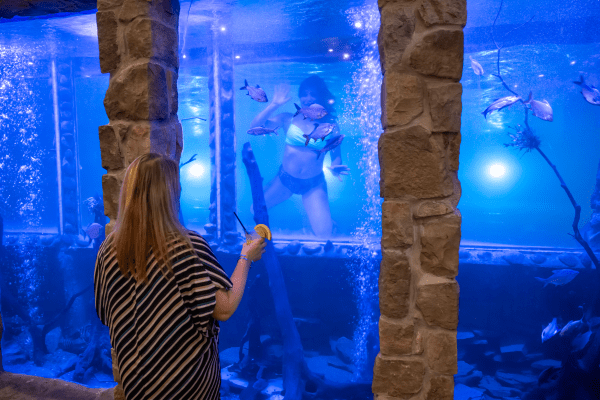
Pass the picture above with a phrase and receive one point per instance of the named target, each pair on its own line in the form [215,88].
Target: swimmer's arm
[265,119]
[336,156]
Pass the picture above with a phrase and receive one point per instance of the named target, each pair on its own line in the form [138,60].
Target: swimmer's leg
[275,193]
[316,204]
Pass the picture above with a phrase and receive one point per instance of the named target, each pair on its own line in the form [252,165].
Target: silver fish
[261,130]
[500,104]
[559,277]
[255,93]
[550,330]
[590,93]
[321,131]
[477,68]
[541,109]
[331,144]
[314,111]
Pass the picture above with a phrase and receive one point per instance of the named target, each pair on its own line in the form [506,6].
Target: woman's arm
[229,300]
[336,167]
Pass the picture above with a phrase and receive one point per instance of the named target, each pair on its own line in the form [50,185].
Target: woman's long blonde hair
[148,215]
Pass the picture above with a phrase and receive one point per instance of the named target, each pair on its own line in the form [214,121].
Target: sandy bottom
[27,387]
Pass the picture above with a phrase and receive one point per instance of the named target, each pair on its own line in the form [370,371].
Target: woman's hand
[281,95]
[254,249]
[339,170]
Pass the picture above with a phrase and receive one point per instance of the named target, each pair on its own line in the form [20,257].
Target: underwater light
[196,170]
[237,57]
[497,170]
[573,62]
[331,50]
[346,56]
[540,75]
[184,56]
[331,101]
[222,29]
[358,24]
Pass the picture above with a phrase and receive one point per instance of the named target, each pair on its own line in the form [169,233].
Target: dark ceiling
[33,8]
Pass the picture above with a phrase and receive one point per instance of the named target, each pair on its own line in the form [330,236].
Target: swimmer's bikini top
[294,137]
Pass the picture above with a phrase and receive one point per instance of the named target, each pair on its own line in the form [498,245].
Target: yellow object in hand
[263,231]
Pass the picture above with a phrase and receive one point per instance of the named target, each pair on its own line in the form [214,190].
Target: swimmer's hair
[148,215]
[317,85]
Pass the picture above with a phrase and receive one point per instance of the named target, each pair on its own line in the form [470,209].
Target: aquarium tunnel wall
[405,98]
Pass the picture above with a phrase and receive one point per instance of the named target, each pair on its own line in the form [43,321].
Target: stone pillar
[421,49]
[138,46]
[138,42]
[222,141]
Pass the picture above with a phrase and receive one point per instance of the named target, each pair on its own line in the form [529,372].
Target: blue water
[506,218]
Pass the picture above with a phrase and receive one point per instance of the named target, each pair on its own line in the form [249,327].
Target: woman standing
[161,291]
[301,170]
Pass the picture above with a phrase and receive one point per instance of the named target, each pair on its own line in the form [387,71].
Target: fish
[314,111]
[550,330]
[331,144]
[500,104]
[590,93]
[581,341]
[321,131]
[540,109]
[93,230]
[559,277]
[261,130]
[477,68]
[255,93]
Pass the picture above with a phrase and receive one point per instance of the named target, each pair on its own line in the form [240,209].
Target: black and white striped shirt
[163,333]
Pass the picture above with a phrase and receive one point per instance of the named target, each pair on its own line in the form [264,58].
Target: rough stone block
[138,93]
[151,39]
[135,141]
[452,145]
[108,4]
[401,98]
[111,187]
[395,33]
[396,224]
[106,22]
[165,11]
[441,352]
[438,301]
[412,164]
[397,378]
[172,90]
[446,12]
[440,240]
[439,53]
[441,387]
[179,143]
[433,208]
[394,284]
[163,138]
[109,148]
[445,105]
[396,338]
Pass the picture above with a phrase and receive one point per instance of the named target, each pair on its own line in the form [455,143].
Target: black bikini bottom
[300,186]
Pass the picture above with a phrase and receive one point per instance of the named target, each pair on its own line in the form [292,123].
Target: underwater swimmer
[301,170]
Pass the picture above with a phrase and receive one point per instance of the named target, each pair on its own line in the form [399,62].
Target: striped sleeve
[209,261]
[99,286]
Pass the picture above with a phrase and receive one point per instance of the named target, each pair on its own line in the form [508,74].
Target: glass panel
[527,302]
[52,92]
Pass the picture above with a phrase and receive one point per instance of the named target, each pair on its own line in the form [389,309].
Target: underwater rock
[232,237]
[463,254]
[485,257]
[585,260]
[464,335]
[210,228]
[471,379]
[320,366]
[464,368]
[280,248]
[543,364]
[514,258]
[329,246]
[294,247]
[496,388]
[46,240]
[274,387]
[538,259]
[229,356]
[344,349]
[515,380]
[52,339]
[569,260]
[311,248]
[14,354]
[515,348]
[10,240]
[467,393]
